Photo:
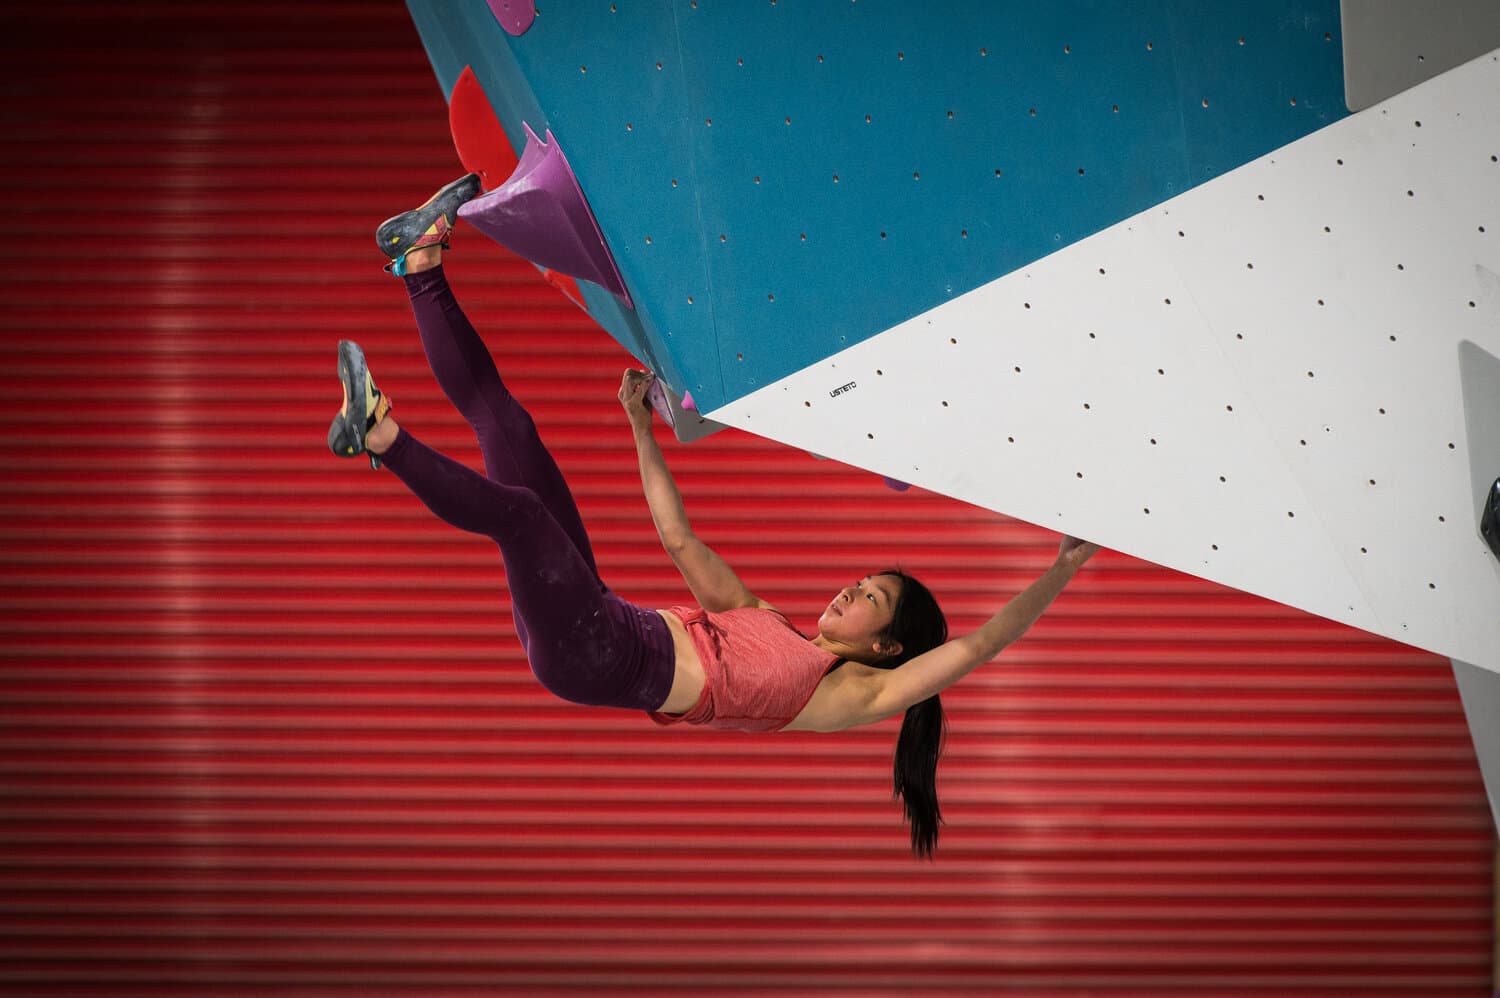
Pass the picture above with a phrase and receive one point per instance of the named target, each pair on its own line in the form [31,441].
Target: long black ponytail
[919,625]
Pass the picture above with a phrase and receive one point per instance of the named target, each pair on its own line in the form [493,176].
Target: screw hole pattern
[1316,371]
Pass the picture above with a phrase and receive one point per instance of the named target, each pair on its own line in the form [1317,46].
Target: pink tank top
[759,671]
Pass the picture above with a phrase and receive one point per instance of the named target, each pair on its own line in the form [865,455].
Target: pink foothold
[896,485]
[688,403]
[515,16]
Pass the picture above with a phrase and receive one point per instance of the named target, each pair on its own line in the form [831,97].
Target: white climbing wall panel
[1256,382]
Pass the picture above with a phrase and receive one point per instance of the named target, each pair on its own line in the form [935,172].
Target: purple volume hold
[541,214]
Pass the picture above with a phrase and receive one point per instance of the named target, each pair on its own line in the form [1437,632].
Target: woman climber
[732,661]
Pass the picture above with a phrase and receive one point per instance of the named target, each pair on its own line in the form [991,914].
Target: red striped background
[266,729]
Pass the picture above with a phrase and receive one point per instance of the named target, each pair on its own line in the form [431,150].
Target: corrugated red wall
[266,729]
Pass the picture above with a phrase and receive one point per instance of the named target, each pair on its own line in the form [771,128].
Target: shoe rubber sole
[397,234]
[354,373]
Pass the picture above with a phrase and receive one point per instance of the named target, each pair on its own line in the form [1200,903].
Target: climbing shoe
[363,407]
[430,225]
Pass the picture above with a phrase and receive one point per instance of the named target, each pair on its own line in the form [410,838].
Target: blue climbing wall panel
[778,181]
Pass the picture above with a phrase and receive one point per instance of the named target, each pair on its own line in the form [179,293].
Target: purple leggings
[585,643]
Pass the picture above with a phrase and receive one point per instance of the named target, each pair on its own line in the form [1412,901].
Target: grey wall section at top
[1392,45]
[1480,690]
[1479,376]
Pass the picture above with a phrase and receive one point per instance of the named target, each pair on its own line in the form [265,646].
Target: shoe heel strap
[382,408]
[397,267]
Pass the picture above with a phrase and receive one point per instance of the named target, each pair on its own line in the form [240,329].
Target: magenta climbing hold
[657,397]
[515,16]
[541,214]
[688,403]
